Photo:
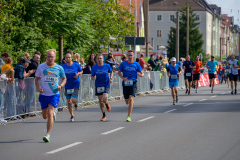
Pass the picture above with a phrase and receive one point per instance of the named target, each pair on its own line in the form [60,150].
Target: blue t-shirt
[70,72]
[101,73]
[212,65]
[180,63]
[186,64]
[173,72]
[130,70]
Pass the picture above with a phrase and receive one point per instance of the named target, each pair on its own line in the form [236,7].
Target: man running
[130,71]
[234,64]
[102,83]
[196,73]
[49,73]
[188,66]
[212,67]
[72,71]
[173,71]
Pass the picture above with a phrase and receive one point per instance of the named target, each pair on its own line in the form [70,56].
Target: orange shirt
[198,66]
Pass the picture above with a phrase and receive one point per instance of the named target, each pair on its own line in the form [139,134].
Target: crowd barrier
[22,97]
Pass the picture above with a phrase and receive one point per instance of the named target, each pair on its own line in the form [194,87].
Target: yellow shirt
[5,67]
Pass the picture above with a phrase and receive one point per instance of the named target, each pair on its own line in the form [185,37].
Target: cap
[24,60]
[197,57]
[173,59]
[212,57]
[82,59]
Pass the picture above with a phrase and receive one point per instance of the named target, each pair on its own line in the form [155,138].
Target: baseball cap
[82,59]
[173,59]
[24,60]
[212,57]
[197,57]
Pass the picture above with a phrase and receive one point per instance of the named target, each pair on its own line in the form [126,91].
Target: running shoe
[174,102]
[72,119]
[228,86]
[108,108]
[55,114]
[232,92]
[128,119]
[212,91]
[194,86]
[196,90]
[189,93]
[75,108]
[186,91]
[103,118]
[46,138]
[235,91]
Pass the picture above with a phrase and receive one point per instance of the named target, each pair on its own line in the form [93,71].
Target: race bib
[100,89]
[188,74]
[70,91]
[174,77]
[215,72]
[50,78]
[128,83]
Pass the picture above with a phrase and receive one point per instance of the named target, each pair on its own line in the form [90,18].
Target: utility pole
[135,23]
[60,47]
[187,44]
[177,38]
[147,27]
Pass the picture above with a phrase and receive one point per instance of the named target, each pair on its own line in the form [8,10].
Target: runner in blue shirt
[72,71]
[130,70]
[212,67]
[173,71]
[188,67]
[102,83]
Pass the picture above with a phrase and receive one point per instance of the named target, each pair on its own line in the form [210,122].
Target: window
[198,17]
[159,33]
[159,17]
[172,18]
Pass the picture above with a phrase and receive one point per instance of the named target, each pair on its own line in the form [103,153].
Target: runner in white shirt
[233,72]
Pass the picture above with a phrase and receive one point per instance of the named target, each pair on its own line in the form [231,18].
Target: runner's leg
[69,103]
[173,93]
[130,106]
[50,118]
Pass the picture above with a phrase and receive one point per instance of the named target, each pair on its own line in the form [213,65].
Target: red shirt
[142,62]
[198,66]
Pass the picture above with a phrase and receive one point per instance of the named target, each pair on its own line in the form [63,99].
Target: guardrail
[22,97]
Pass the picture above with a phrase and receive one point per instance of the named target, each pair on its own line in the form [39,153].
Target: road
[202,126]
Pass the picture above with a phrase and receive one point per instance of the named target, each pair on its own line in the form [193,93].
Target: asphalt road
[202,126]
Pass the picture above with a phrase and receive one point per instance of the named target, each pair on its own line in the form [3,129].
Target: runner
[234,64]
[102,83]
[49,73]
[72,71]
[196,73]
[227,74]
[188,66]
[173,71]
[130,71]
[212,71]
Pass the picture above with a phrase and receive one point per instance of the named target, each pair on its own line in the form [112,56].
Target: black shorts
[129,90]
[196,76]
[233,77]
[211,75]
[100,90]
[189,78]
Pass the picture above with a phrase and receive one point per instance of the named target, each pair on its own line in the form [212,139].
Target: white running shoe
[46,138]
[72,119]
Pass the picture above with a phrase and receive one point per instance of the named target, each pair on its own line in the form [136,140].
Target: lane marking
[187,104]
[202,100]
[146,119]
[62,148]
[114,130]
[213,96]
[170,111]
[223,93]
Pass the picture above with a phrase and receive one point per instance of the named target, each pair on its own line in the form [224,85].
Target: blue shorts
[173,84]
[46,100]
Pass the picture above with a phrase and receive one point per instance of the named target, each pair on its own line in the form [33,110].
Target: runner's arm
[120,75]
[64,80]
[141,74]
[40,90]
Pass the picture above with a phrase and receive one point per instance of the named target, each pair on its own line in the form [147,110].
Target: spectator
[4,56]
[8,70]
[30,82]
[151,62]
[223,74]
[62,62]
[77,58]
[124,57]
[92,57]
[87,69]
[111,61]
[149,69]
[137,60]
[219,72]
[70,51]
[45,59]
[205,68]
[142,62]
[180,63]
[26,55]
[158,63]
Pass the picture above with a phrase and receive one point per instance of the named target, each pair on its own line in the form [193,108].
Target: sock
[106,104]
[104,114]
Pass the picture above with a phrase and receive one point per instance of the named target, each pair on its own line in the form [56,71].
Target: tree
[195,37]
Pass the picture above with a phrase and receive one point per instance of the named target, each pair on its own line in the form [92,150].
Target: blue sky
[230,7]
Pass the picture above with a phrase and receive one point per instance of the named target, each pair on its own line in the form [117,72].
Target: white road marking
[224,93]
[187,104]
[114,130]
[65,147]
[146,119]
[202,100]
[170,111]
[213,96]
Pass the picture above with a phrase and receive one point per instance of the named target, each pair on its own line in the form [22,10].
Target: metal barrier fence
[22,97]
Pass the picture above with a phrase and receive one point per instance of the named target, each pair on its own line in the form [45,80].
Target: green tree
[195,37]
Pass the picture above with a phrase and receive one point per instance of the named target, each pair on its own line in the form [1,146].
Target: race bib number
[100,89]
[128,83]
[50,78]
[188,74]
[174,77]
[70,91]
